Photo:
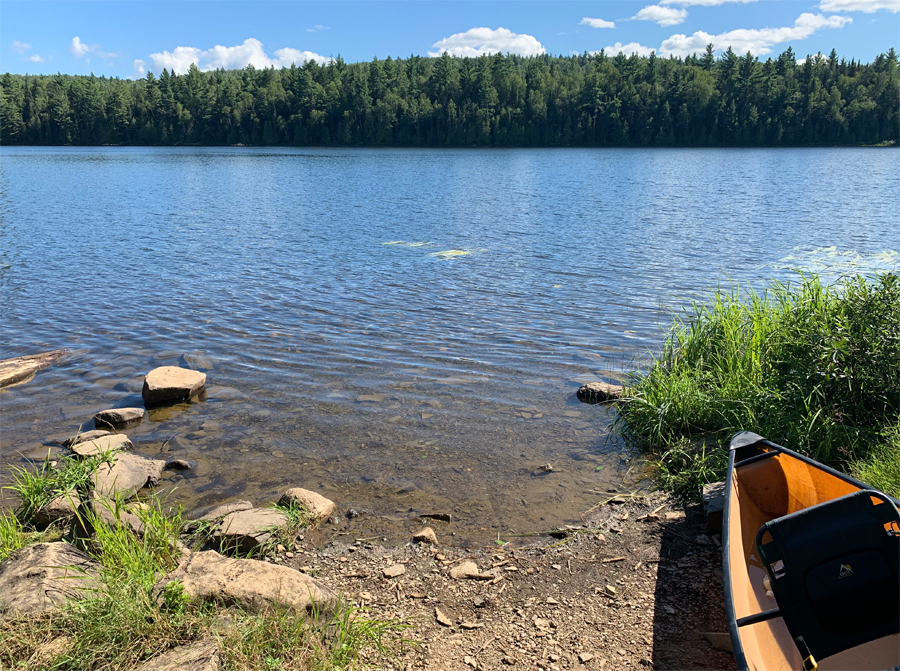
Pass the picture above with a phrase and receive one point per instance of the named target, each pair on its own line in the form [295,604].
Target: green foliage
[813,367]
[36,487]
[12,536]
[500,100]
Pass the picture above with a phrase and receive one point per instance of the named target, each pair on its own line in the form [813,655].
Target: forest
[501,100]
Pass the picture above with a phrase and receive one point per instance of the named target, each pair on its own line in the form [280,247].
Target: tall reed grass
[812,366]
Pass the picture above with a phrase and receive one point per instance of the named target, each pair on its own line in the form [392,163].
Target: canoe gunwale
[742,442]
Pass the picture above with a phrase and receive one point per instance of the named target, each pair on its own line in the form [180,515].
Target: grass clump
[811,366]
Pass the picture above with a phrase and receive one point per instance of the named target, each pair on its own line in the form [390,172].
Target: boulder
[199,656]
[85,437]
[119,417]
[599,392]
[60,508]
[247,583]
[171,384]
[425,535]
[110,442]
[42,576]
[319,507]
[106,511]
[246,530]
[128,473]
[22,368]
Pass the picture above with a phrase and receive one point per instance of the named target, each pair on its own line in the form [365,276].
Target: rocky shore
[636,585]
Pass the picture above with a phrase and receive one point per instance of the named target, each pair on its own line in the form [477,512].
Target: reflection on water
[402,331]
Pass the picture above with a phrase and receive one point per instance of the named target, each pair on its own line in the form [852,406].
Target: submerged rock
[171,384]
[599,392]
[42,576]
[247,583]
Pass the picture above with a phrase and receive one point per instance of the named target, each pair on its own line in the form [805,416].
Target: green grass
[120,624]
[810,366]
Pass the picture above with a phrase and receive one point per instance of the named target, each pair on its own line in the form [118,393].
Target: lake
[400,330]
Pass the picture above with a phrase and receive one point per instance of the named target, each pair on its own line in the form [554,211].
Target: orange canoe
[837,590]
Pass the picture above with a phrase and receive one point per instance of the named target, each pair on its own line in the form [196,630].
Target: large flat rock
[111,442]
[171,384]
[250,584]
[42,576]
[128,473]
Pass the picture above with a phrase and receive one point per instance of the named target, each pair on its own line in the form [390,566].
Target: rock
[610,590]
[21,369]
[41,576]
[464,570]
[107,512]
[599,392]
[371,398]
[440,517]
[470,661]
[199,656]
[181,464]
[319,507]
[171,384]
[128,473]
[425,535]
[394,571]
[247,583]
[198,361]
[119,417]
[704,540]
[108,443]
[85,437]
[60,508]
[714,505]
[509,661]
[246,530]
[675,515]
[442,618]
[718,640]
[585,657]
[471,625]
[218,512]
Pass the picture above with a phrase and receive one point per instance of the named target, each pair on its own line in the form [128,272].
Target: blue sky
[127,39]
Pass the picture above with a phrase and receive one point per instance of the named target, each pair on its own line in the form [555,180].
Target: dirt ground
[637,586]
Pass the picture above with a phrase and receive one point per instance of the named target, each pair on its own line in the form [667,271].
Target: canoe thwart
[759,617]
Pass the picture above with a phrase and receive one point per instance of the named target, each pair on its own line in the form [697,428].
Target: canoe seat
[835,572]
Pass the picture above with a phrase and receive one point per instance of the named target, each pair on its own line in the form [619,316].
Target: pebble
[394,571]
[442,618]
[585,657]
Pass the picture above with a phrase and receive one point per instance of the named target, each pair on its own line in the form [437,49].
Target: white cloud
[756,41]
[36,59]
[597,23]
[79,48]
[251,52]
[627,49]
[20,47]
[664,16]
[478,41]
[867,6]
[701,3]
[316,28]
[140,69]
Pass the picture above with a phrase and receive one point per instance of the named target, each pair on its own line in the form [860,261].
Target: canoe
[811,563]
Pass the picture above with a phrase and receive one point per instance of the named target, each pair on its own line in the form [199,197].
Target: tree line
[499,100]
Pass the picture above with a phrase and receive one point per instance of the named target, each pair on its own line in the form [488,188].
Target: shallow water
[464,295]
